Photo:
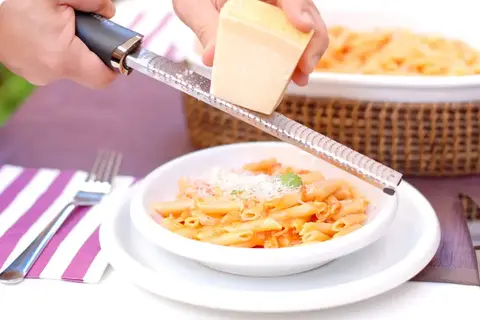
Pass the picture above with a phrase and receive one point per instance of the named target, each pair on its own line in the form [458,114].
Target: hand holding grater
[121,49]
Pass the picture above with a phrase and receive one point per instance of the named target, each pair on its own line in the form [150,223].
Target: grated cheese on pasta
[247,184]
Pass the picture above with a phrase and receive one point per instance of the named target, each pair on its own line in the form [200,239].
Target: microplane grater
[184,79]
[121,49]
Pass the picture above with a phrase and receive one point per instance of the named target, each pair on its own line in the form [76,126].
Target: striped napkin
[163,31]
[30,199]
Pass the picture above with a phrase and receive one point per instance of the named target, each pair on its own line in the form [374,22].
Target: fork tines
[105,167]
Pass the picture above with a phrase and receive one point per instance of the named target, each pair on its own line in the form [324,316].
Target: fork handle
[19,268]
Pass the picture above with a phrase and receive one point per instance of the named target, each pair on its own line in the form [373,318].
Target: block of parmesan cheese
[257,50]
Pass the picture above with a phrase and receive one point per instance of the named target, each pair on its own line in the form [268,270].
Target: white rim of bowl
[207,252]
[352,291]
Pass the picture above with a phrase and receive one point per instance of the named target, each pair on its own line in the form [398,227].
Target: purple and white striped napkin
[30,199]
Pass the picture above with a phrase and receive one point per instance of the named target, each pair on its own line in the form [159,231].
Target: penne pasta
[192,222]
[285,202]
[265,166]
[397,52]
[298,207]
[323,211]
[257,240]
[301,211]
[204,219]
[219,207]
[183,185]
[231,217]
[271,242]
[247,244]
[208,232]
[182,216]
[315,236]
[280,232]
[231,238]
[346,221]
[321,190]
[349,207]
[254,213]
[295,224]
[311,177]
[171,224]
[347,230]
[187,232]
[173,207]
[343,193]
[288,239]
[325,228]
[261,225]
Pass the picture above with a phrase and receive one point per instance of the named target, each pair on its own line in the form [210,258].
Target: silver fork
[98,183]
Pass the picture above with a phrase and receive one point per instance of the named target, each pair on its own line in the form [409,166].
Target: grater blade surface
[179,76]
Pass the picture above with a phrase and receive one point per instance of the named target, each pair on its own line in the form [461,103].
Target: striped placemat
[30,199]
[163,32]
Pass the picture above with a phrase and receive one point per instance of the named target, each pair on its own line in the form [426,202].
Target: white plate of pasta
[407,247]
[259,209]
[390,53]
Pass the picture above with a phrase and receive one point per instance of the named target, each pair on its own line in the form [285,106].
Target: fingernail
[304,81]
[307,18]
[314,62]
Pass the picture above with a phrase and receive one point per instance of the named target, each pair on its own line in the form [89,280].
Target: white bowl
[161,185]
[462,25]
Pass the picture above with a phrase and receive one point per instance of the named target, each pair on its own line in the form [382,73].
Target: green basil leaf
[291,180]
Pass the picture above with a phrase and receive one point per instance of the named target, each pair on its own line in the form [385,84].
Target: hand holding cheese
[202,16]
[256,54]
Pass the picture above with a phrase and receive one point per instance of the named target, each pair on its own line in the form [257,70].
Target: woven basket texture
[415,139]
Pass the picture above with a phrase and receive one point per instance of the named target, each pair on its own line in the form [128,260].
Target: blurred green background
[13,91]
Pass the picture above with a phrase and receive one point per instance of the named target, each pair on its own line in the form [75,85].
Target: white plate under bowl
[162,185]
[395,88]
[409,245]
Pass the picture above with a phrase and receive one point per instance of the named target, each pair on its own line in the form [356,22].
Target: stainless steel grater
[123,52]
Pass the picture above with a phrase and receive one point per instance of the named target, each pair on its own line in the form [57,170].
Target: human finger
[85,68]
[299,78]
[298,13]
[317,45]
[201,16]
[105,8]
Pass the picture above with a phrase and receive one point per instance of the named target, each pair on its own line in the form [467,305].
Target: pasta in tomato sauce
[397,52]
[265,204]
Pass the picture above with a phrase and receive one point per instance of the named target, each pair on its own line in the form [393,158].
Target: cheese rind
[256,52]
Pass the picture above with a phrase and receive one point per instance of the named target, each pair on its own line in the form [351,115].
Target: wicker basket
[415,139]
